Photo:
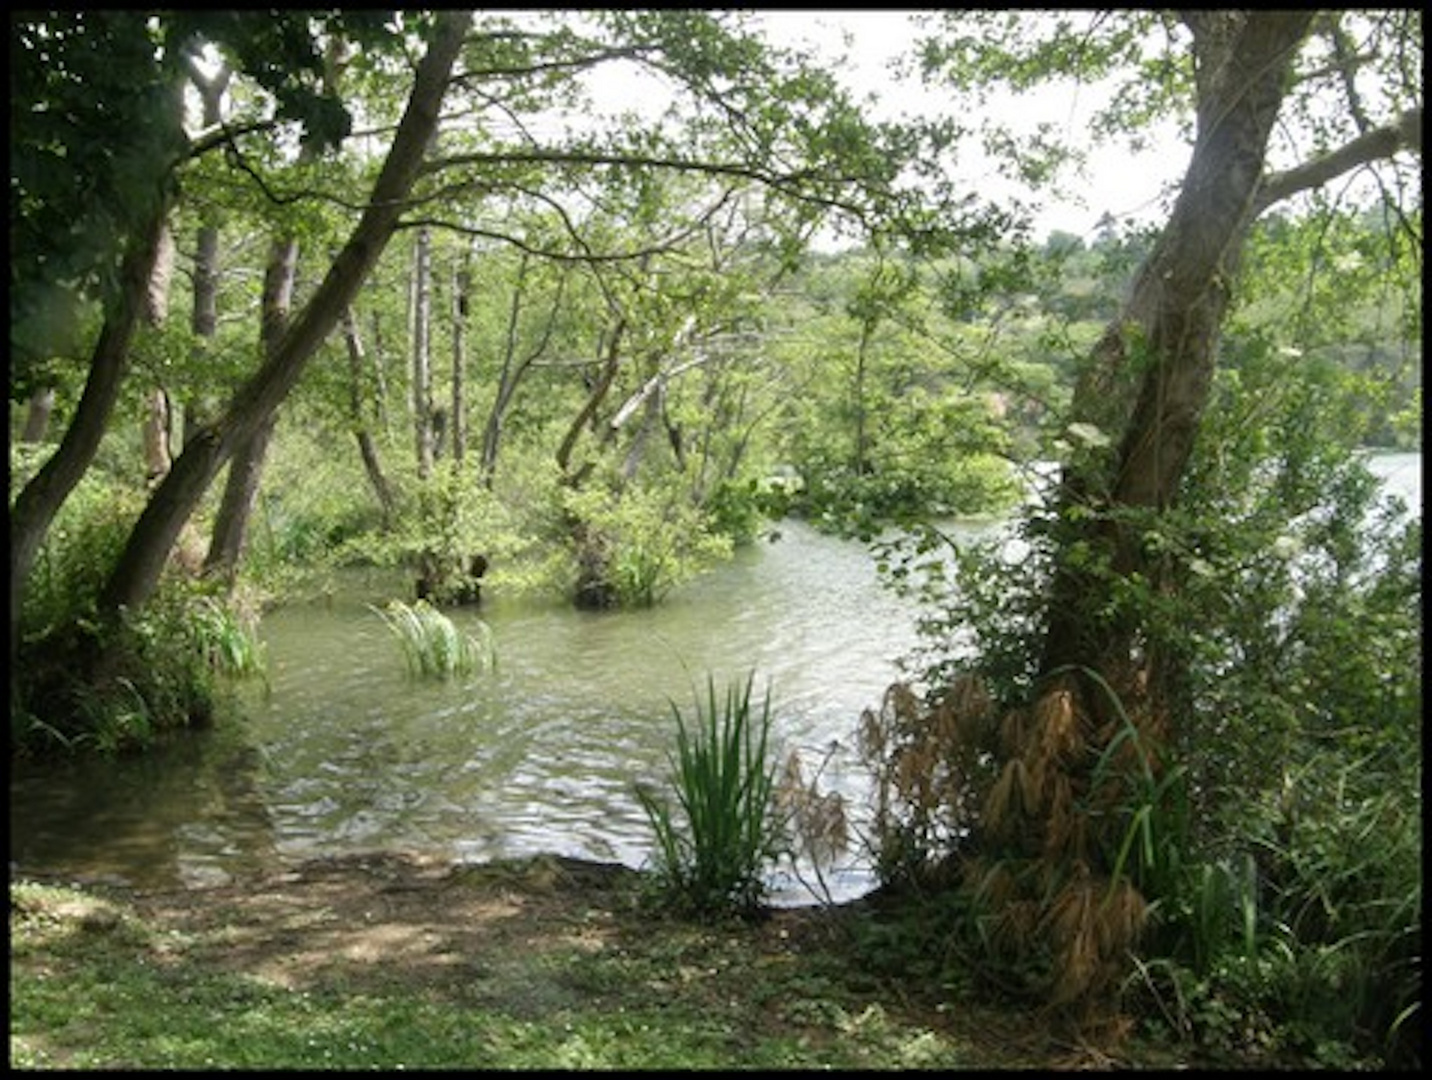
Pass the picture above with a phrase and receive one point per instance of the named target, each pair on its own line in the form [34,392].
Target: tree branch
[1405,132]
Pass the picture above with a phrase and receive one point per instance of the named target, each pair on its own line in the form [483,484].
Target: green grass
[505,966]
[95,986]
[433,647]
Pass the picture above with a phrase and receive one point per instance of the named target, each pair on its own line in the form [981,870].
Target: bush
[632,547]
[1283,879]
[83,684]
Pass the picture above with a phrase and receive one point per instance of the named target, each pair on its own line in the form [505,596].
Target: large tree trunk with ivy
[142,561]
[1148,380]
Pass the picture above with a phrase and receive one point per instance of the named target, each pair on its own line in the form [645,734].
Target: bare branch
[1404,133]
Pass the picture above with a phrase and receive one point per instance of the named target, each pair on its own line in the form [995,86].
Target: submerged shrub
[630,548]
[711,857]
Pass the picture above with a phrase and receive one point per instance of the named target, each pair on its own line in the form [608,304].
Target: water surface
[345,752]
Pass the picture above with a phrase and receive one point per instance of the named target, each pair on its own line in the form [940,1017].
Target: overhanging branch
[1404,133]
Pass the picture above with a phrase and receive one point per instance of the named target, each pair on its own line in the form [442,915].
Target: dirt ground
[483,933]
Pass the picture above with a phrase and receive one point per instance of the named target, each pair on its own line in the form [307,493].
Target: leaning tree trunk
[241,488]
[36,505]
[171,504]
[367,447]
[513,369]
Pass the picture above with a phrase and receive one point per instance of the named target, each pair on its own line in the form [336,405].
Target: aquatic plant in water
[433,646]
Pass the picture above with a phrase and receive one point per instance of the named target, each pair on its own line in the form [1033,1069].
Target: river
[342,752]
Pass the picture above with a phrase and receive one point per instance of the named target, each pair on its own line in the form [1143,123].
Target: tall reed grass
[711,858]
[433,647]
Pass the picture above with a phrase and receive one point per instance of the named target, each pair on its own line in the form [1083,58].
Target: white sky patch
[1118,182]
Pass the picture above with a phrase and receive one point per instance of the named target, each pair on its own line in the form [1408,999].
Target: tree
[1105,687]
[97,136]
[142,560]
[87,226]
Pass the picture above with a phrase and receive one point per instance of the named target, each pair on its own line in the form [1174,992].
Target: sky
[1120,183]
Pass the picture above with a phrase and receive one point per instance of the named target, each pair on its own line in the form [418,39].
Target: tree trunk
[37,415]
[156,428]
[170,506]
[241,488]
[379,377]
[461,282]
[507,379]
[241,491]
[422,358]
[1149,378]
[366,446]
[204,321]
[610,364]
[1100,721]
[36,505]
[155,432]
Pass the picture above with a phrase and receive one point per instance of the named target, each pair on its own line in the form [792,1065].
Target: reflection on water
[346,753]
[191,815]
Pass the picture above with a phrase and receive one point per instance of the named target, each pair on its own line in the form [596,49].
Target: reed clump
[433,646]
[712,852]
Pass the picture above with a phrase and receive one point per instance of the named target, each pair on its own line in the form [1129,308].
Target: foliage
[633,546]
[172,658]
[711,858]
[817,822]
[889,421]
[927,765]
[164,670]
[92,128]
[433,647]
[1273,829]
[80,548]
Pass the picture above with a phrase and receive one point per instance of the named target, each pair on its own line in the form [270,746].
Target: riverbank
[387,961]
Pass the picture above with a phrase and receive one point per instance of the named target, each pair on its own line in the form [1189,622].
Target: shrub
[632,547]
[1276,842]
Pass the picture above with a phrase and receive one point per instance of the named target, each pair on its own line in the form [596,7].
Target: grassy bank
[384,962]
